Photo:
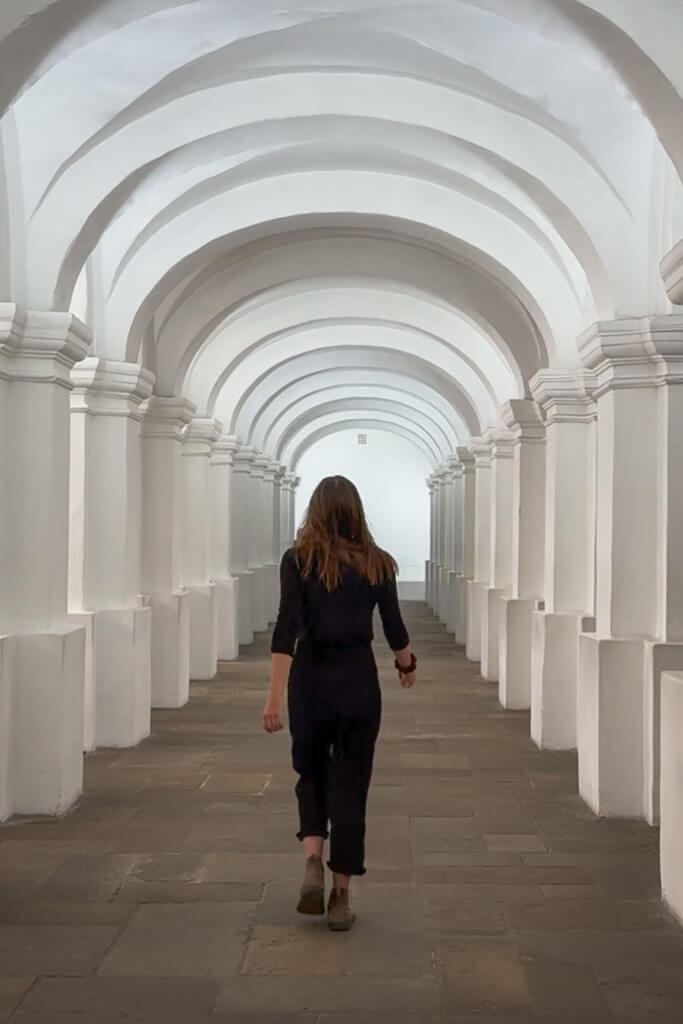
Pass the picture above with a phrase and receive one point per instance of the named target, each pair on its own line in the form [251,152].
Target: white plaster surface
[671,834]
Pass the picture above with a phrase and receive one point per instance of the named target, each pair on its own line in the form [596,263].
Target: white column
[270,560]
[671,793]
[199,438]
[446,541]
[294,523]
[257,506]
[227,592]
[481,451]
[502,478]
[161,433]
[284,514]
[42,653]
[466,543]
[523,418]
[105,548]
[639,607]
[239,549]
[565,397]
[456,543]
[431,562]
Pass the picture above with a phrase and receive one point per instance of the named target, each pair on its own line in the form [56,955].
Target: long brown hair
[335,533]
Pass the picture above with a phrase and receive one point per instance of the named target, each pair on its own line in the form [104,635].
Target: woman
[331,582]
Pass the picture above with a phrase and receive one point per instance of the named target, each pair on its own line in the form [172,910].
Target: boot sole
[311,901]
[341,926]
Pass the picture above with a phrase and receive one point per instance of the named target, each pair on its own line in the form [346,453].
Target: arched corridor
[492,892]
[437,246]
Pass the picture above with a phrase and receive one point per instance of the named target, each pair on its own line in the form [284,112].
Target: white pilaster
[105,548]
[565,397]
[446,502]
[258,508]
[466,543]
[639,609]
[271,489]
[227,585]
[671,835]
[239,549]
[523,419]
[161,431]
[199,438]
[42,654]
[481,451]
[502,477]
[455,554]
[430,572]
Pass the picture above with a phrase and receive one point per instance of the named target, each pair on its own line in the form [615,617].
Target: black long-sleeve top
[337,619]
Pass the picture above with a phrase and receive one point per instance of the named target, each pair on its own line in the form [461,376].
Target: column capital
[502,443]
[523,418]
[201,434]
[481,452]
[466,460]
[260,466]
[279,471]
[165,417]
[243,458]
[37,346]
[565,396]
[270,471]
[456,466]
[633,353]
[672,273]
[103,387]
[292,480]
[224,450]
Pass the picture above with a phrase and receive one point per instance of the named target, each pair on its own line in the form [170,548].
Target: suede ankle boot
[312,898]
[340,917]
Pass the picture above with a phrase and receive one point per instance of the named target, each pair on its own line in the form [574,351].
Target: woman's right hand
[272,715]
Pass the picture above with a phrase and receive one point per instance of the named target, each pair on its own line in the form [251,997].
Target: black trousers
[334,762]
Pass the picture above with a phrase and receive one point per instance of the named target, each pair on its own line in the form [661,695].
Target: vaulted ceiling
[341,211]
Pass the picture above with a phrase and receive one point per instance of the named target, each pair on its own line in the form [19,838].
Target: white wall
[390,474]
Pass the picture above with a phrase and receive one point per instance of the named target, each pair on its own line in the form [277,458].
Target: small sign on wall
[362,439]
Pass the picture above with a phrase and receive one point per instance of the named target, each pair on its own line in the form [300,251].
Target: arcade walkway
[492,895]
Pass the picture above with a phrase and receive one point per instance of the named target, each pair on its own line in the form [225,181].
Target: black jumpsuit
[334,700]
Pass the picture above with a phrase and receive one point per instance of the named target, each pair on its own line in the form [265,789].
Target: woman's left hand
[272,715]
[407,679]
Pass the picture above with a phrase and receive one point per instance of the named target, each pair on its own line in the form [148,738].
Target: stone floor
[492,895]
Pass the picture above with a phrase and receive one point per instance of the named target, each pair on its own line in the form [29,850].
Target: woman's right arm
[287,628]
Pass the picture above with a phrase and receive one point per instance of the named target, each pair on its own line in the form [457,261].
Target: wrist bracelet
[406,669]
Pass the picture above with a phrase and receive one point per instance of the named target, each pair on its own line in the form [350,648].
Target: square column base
[122,663]
[491,613]
[227,604]
[610,725]
[444,594]
[170,649]
[433,587]
[461,600]
[272,586]
[659,658]
[671,835]
[85,620]
[259,615]
[203,631]
[514,652]
[5,730]
[452,601]
[45,672]
[475,592]
[554,678]
[245,630]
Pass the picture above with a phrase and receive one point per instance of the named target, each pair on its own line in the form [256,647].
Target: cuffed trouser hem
[310,833]
[339,869]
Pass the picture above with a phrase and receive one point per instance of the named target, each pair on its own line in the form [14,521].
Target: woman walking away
[331,582]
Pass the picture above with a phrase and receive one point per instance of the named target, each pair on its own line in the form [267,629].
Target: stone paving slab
[492,893]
